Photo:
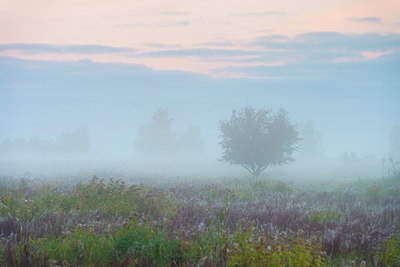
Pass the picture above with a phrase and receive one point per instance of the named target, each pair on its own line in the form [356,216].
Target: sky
[107,66]
[180,34]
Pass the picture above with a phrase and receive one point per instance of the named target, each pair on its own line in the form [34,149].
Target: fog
[86,117]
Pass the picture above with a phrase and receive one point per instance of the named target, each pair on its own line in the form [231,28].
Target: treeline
[76,142]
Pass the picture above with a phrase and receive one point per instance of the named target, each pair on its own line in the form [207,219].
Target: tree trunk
[256,173]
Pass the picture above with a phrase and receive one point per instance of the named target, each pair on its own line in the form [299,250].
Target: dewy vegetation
[228,222]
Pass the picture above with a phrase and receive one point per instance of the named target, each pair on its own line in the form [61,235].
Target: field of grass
[229,222]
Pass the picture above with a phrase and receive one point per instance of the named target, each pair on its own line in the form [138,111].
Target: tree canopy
[157,139]
[256,139]
[311,142]
[394,143]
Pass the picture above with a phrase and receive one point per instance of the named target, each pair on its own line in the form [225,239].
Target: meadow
[231,221]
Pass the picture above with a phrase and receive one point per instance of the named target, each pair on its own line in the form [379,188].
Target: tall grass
[262,223]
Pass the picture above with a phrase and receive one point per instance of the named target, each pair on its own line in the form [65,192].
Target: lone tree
[256,139]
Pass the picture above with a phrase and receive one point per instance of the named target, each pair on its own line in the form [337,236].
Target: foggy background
[80,115]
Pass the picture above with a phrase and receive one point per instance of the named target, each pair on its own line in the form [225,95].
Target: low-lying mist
[159,149]
[125,118]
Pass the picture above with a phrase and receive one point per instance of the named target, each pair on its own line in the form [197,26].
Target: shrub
[272,185]
[78,248]
[388,253]
[141,244]
[279,186]
[324,217]
[132,244]
[282,250]
[373,193]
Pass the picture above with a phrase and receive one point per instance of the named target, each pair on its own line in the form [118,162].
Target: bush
[373,193]
[132,244]
[279,186]
[143,245]
[388,253]
[324,217]
[78,248]
[273,185]
[282,250]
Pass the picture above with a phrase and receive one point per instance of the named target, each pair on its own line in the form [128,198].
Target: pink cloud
[375,54]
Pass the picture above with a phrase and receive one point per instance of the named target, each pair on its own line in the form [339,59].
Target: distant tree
[17,146]
[157,138]
[350,158]
[256,139]
[394,144]
[76,142]
[37,145]
[311,141]
[190,142]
